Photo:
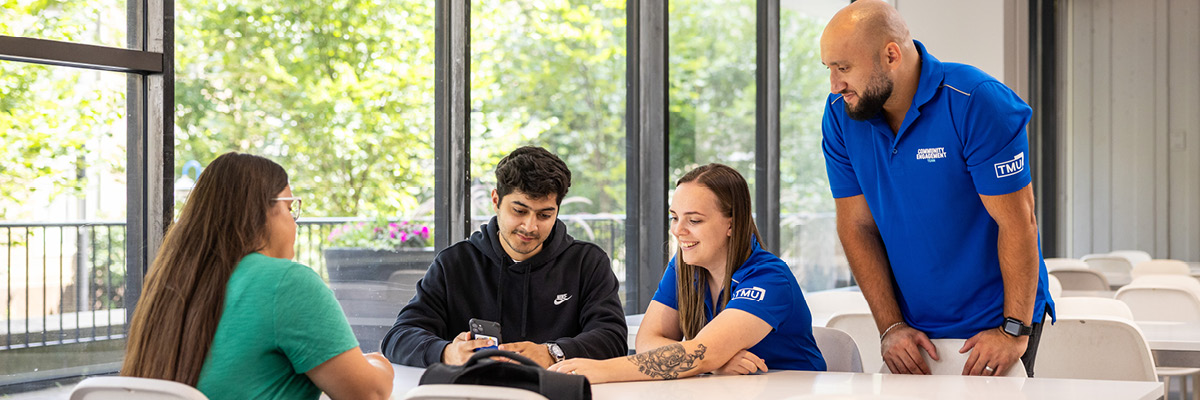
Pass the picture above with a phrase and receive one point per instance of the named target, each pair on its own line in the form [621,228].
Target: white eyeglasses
[294,208]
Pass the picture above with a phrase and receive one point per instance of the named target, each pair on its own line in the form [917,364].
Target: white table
[1174,344]
[844,385]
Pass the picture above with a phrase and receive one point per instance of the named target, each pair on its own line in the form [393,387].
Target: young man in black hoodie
[555,297]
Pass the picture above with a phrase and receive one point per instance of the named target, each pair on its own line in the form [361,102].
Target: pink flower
[403,236]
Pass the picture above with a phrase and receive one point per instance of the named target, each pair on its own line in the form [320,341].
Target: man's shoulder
[582,249]
[964,79]
[456,253]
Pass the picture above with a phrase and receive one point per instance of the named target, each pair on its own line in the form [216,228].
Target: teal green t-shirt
[280,320]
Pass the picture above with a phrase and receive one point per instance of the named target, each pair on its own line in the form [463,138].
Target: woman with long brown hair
[225,309]
[724,304]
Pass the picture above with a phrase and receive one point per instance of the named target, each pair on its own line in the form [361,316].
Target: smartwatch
[1014,327]
[555,352]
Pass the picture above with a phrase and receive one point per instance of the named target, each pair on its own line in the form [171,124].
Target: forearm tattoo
[668,361]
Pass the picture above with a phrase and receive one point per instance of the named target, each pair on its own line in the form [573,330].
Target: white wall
[989,34]
[1132,137]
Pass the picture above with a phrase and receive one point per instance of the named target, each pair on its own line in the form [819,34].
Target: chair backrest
[470,392]
[129,388]
[1108,263]
[1073,278]
[836,301]
[1135,257]
[1185,282]
[1161,303]
[1161,267]
[861,327]
[1105,348]
[1083,307]
[838,349]
[1055,287]
[951,362]
[1056,263]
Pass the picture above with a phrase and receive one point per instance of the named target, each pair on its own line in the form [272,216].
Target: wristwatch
[555,352]
[1014,327]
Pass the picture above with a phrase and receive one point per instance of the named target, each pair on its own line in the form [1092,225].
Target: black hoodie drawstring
[525,305]
[500,301]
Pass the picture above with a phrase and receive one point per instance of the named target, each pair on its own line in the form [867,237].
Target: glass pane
[99,22]
[807,228]
[62,222]
[712,85]
[551,73]
[341,96]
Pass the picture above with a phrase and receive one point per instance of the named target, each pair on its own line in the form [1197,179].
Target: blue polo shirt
[963,136]
[764,287]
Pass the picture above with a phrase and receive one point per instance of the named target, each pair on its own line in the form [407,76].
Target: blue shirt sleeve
[766,294]
[842,180]
[666,293]
[995,143]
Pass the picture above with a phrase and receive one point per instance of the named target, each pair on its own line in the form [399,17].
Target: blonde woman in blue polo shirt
[759,319]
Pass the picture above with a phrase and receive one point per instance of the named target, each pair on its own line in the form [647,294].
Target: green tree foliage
[53,119]
[339,92]
[552,73]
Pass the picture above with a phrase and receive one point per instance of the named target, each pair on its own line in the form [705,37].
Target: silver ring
[988,368]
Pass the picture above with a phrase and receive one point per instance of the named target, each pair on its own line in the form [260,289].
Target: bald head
[871,23]
[872,60]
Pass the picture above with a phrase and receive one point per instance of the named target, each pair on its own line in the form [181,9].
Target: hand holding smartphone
[484,329]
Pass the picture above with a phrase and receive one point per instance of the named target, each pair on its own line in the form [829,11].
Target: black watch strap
[1014,327]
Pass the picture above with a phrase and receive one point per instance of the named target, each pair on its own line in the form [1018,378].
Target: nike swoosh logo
[561,300]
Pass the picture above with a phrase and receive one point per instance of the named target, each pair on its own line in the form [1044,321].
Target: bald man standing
[927,163]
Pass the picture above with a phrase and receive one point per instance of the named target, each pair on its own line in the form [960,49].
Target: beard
[514,242]
[871,100]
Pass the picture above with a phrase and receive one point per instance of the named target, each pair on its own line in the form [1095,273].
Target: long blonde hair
[224,219]
[733,198]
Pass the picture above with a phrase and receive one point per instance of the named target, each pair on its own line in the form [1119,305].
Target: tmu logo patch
[1011,167]
[751,293]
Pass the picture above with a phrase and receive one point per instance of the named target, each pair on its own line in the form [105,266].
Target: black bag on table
[528,375]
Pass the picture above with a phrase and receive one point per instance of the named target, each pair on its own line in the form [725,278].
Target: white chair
[1118,269]
[829,302]
[1074,278]
[129,388]
[1135,257]
[861,327]
[470,392]
[1056,263]
[838,349]
[1107,348]
[1084,307]
[1055,287]
[1161,267]
[951,362]
[1170,298]
[1185,286]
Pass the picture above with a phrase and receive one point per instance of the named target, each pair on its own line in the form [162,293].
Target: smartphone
[484,329]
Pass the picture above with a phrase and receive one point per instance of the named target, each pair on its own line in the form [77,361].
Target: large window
[711,58]
[340,94]
[62,221]
[552,74]
[100,22]
[808,230]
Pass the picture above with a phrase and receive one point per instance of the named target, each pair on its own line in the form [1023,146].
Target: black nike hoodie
[566,294]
